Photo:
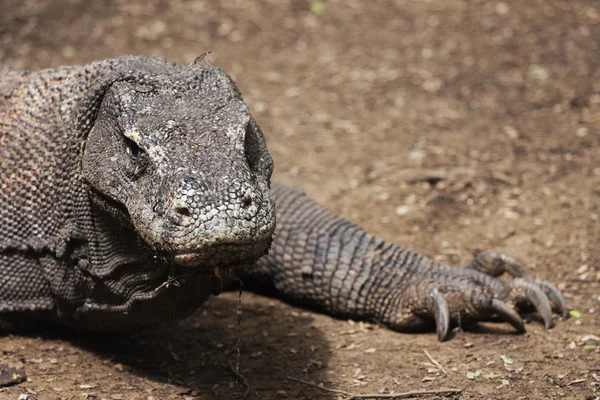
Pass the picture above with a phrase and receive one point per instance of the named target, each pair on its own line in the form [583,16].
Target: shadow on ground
[194,357]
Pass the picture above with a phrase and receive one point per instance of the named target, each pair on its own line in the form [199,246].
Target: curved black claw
[537,297]
[508,314]
[441,314]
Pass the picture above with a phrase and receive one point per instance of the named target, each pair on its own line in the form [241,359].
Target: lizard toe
[495,264]
[557,300]
[528,292]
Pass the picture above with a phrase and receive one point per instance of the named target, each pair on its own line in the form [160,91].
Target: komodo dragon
[131,187]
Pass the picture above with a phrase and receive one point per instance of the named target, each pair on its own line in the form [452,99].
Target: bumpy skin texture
[131,187]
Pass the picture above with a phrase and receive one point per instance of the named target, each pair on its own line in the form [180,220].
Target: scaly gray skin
[130,187]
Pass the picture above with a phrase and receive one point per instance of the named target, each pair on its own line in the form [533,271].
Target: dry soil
[446,126]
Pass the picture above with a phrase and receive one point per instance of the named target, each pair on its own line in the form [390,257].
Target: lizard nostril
[247,201]
[184,211]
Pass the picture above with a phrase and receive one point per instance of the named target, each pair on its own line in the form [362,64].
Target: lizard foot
[450,295]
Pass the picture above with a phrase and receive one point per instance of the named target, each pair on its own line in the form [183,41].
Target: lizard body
[129,185]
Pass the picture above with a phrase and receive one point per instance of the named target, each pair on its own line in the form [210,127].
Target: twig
[241,377]
[319,387]
[199,59]
[405,395]
[437,364]
[355,396]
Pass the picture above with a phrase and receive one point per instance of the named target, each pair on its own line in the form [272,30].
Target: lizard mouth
[225,255]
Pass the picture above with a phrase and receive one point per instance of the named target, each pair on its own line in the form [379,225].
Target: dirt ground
[442,125]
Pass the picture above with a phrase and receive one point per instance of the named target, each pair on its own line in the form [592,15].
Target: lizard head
[175,153]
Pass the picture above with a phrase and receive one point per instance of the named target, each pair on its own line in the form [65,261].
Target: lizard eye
[138,160]
[132,148]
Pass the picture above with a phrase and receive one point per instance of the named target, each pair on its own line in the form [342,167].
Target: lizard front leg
[324,261]
[25,293]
